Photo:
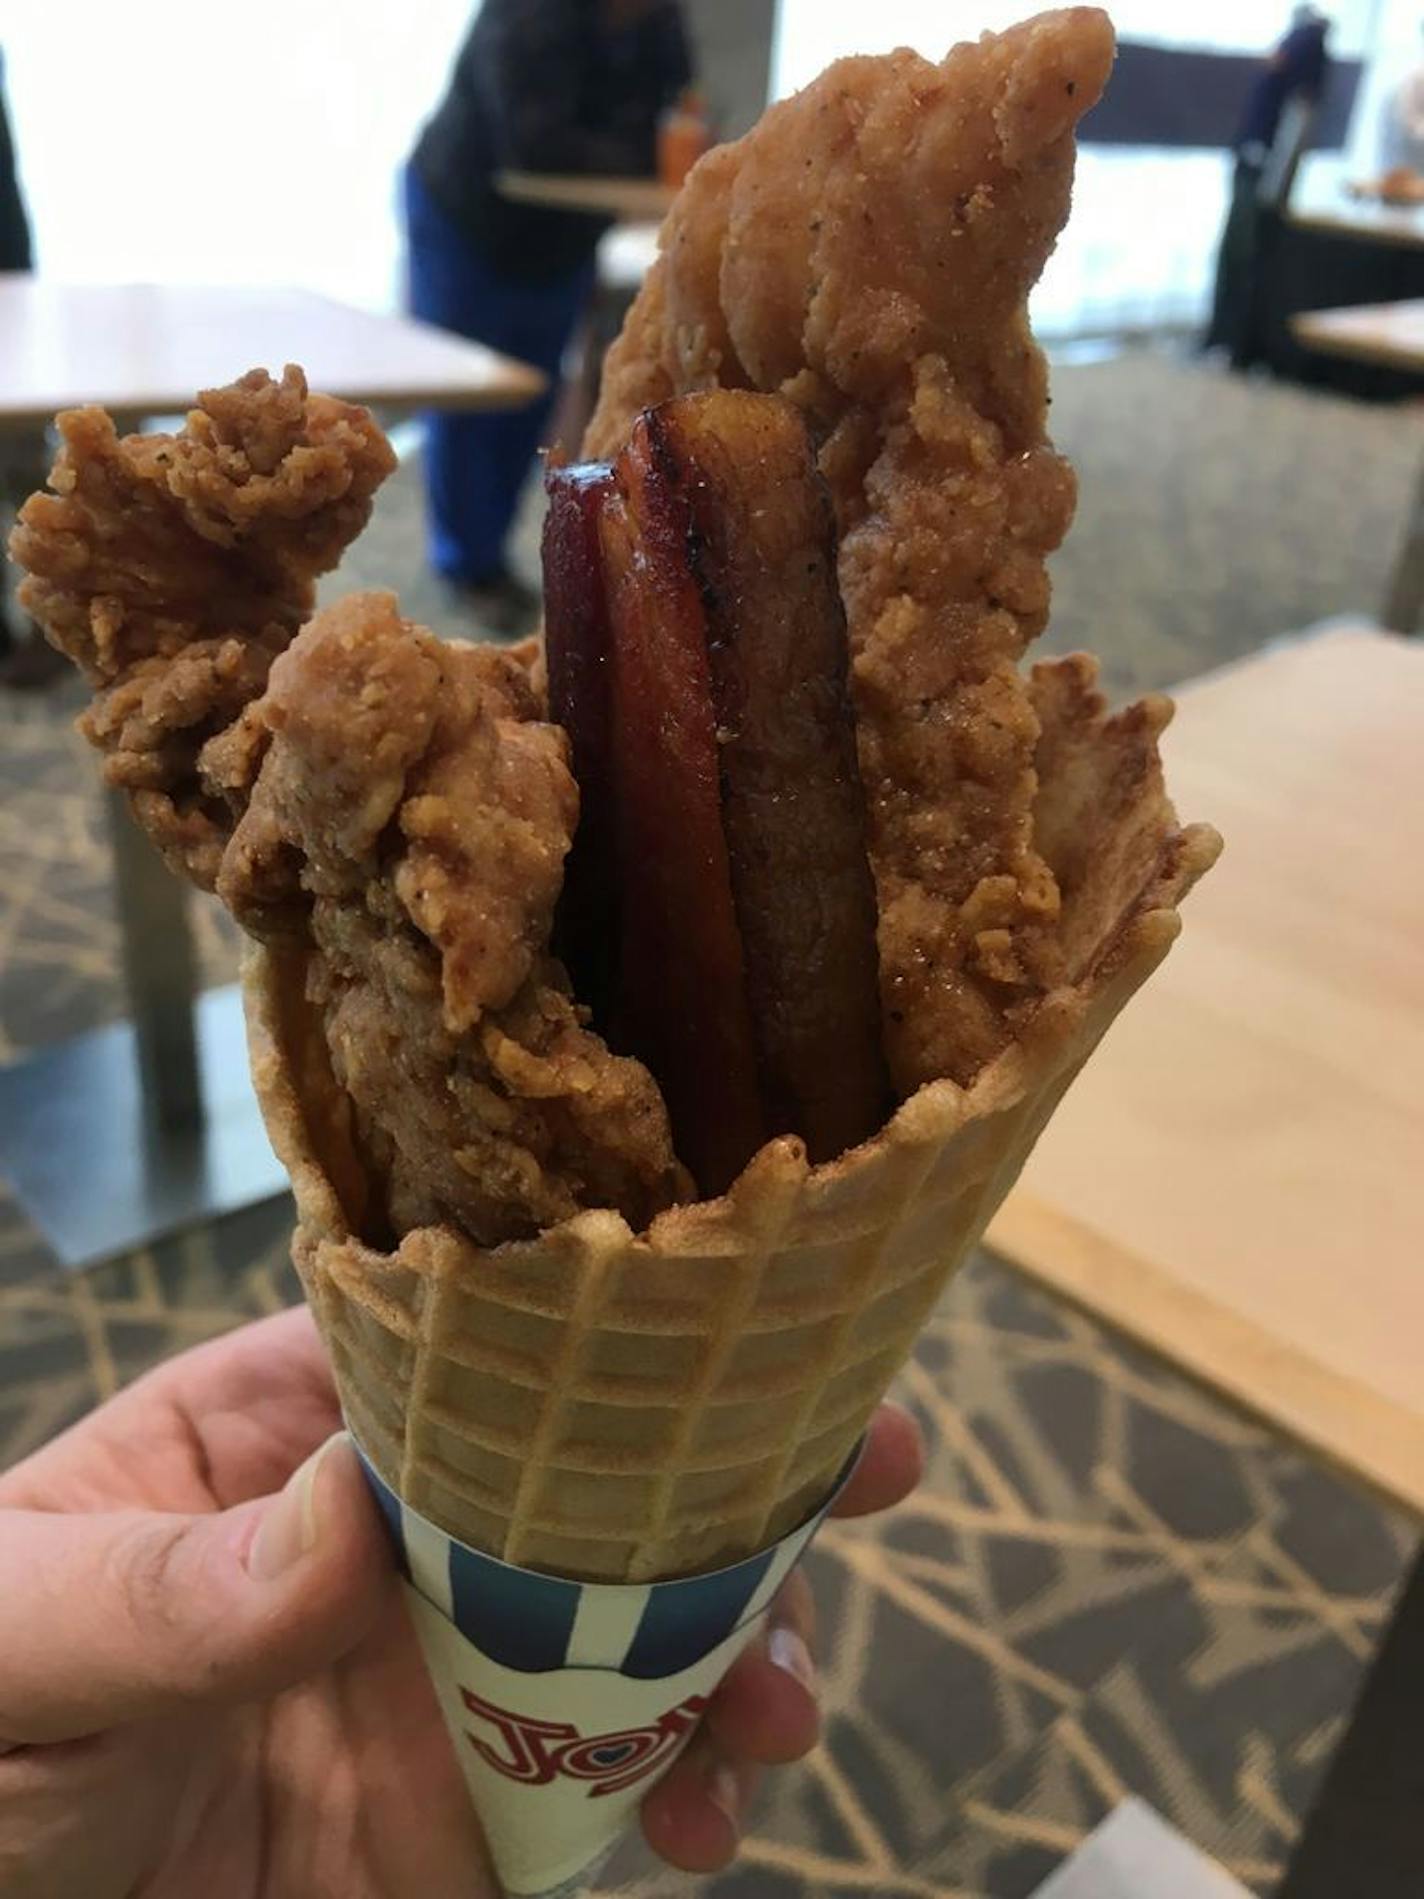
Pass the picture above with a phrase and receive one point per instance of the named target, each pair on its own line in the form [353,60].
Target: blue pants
[475,465]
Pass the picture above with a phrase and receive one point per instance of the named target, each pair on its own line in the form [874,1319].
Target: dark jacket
[15,249]
[1298,66]
[545,85]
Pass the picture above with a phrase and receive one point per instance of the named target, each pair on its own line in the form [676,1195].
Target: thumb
[126,1615]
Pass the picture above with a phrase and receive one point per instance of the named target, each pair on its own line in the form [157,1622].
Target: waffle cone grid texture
[604,1405]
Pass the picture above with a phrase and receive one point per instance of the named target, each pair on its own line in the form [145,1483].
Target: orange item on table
[684,134]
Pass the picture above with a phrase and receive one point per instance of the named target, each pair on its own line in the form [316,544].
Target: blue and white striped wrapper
[566,1701]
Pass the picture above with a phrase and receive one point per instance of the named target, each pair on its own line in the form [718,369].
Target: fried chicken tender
[414,811]
[867,251]
[172,569]
[391,814]
[1101,811]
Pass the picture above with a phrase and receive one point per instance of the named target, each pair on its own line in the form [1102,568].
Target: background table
[1388,333]
[1235,1179]
[146,349]
[1322,207]
[1391,334]
[1327,250]
[630,200]
[161,1107]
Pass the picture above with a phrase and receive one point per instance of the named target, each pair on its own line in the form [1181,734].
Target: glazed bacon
[718,888]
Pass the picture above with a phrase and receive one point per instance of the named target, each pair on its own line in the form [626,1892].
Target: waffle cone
[604,1404]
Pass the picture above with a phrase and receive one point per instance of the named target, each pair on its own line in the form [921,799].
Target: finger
[693,1817]
[765,1708]
[238,1368]
[890,1466]
[112,1617]
[240,1411]
[259,1401]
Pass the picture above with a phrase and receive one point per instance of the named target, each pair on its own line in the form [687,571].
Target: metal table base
[85,1149]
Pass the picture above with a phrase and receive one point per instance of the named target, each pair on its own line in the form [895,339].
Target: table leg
[1365,1832]
[160,972]
[1404,604]
[158,1112]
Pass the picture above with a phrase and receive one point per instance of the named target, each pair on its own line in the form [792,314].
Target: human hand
[208,1684]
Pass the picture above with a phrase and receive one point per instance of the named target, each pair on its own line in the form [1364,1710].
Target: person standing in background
[538,85]
[1295,70]
[1278,107]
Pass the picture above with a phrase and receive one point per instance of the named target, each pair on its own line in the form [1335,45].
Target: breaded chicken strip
[867,251]
[392,813]
[172,569]
[414,811]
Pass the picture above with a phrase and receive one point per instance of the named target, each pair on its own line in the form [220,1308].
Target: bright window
[1140,248]
[167,140]
[178,140]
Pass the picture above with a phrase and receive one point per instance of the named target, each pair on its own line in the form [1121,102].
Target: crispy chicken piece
[418,812]
[1101,809]
[867,251]
[391,812]
[172,569]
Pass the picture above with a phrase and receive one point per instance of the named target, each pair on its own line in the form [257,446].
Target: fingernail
[725,1793]
[289,1529]
[787,1650]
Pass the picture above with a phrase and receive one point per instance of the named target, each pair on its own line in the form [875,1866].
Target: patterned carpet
[1109,1582]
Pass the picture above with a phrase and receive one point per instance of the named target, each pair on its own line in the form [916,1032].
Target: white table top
[1237,1178]
[1326,207]
[1387,333]
[633,200]
[1134,1854]
[146,349]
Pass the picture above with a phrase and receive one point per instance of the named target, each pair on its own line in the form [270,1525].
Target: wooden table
[177,1072]
[146,349]
[630,200]
[1236,1177]
[1387,333]
[1329,208]
[1390,334]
